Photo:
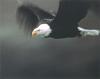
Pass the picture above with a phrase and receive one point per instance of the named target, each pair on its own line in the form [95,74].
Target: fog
[22,57]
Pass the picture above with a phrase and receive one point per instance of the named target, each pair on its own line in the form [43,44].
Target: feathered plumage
[64,24]
[68,16]
[29,16]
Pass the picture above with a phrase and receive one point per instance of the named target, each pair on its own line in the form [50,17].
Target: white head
[42,30]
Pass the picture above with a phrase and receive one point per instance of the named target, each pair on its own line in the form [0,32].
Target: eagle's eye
[38,30]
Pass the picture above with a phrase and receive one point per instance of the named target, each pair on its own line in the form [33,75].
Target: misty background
[22,57]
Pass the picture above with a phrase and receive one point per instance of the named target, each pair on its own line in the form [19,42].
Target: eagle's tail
[89,32]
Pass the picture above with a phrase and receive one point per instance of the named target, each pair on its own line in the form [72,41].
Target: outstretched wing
[28,15]
[69,14]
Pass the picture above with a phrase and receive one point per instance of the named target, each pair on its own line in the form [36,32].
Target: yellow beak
[34,34]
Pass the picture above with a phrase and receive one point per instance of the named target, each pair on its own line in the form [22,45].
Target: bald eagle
[63,24]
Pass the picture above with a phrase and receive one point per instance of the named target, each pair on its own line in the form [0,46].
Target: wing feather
[29,15]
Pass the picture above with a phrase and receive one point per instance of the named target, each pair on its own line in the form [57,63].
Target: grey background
[22,57]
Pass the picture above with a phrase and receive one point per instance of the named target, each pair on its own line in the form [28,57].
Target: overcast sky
[22,56]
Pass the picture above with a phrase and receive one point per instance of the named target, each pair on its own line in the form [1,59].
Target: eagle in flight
[63,24]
